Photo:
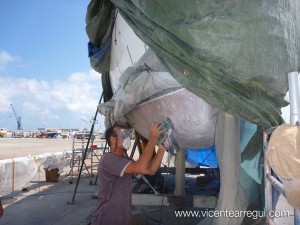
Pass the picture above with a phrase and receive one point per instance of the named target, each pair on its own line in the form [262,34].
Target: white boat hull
[193,119]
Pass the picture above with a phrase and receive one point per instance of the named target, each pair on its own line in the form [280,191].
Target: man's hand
[164,144]
[155,131]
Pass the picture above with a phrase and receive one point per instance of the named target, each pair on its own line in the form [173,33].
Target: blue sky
[44,66]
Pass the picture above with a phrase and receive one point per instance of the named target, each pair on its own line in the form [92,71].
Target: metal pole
[137,139]
[180,174]
[276,184]
[294,97]
[293,78]
[267,170]
[86,149]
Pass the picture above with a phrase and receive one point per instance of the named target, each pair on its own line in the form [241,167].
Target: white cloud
[4,103]
[51,100]
[6,58]
[80,77]
[38,111]
[80,94]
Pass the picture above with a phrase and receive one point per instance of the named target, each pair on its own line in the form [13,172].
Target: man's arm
[141,166]
[156,161]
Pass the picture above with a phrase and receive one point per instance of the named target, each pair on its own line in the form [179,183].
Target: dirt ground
[19,147]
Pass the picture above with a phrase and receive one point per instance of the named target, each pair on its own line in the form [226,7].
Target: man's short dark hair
[110,132]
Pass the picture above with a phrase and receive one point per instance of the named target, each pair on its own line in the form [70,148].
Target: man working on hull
[115,174]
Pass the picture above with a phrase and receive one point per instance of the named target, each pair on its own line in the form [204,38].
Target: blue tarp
[202,157]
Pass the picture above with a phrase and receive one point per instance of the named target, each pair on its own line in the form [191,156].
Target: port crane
[18,118]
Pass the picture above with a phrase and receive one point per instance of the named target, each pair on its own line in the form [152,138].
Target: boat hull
[193,119]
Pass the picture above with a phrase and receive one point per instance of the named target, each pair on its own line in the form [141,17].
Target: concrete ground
[46,203]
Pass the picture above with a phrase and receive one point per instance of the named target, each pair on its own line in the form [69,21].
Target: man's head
[110,132]
[118,137]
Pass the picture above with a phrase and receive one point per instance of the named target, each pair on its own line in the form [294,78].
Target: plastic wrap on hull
[193,119]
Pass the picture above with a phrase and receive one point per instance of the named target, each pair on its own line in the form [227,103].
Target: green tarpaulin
[233,54]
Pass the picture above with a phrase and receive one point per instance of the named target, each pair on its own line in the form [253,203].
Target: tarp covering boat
[148,93]
[232,54]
